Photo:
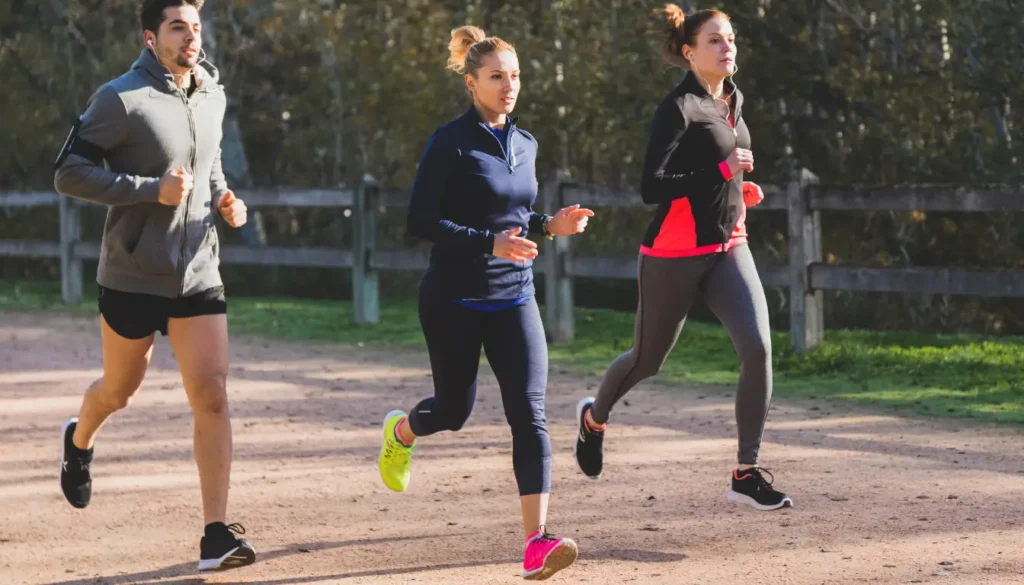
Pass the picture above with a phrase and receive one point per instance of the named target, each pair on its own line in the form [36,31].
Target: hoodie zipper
[188,199]
[507,149]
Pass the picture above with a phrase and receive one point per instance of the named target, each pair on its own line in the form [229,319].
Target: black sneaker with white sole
[589,449]
[220,549]
[75,478]
[751,488]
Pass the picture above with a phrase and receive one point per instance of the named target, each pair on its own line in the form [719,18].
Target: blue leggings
[517,351]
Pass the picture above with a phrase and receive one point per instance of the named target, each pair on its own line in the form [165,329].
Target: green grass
[937,375]
[38,296]
[941,375]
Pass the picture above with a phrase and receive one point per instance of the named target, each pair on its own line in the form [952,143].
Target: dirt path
[879,499]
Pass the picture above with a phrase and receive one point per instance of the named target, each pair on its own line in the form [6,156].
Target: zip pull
[511,151]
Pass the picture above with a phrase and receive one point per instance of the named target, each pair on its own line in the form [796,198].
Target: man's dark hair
[152,14]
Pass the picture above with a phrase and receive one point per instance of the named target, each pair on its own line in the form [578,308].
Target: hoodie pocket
[121,236]
[207,252]
[157,251]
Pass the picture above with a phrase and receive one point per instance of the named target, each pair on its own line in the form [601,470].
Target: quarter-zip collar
[508,149]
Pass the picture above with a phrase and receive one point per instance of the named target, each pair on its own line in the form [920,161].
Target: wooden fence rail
[803,199]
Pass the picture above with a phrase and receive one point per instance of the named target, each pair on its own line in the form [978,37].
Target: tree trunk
[233,158]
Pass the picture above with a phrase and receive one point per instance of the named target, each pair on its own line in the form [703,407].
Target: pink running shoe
[546,555]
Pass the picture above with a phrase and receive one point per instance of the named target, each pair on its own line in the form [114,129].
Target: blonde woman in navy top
[473,197]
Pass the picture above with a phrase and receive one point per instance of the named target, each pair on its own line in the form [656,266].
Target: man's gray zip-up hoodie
[146,127]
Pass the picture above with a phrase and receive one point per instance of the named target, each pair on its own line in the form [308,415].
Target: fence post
[558,284]
[365,291]
[70,265]
[806,306]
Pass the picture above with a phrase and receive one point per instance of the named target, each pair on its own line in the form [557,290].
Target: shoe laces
[543,535]
[397,452]
[762,483]
[228,534]
[79,465]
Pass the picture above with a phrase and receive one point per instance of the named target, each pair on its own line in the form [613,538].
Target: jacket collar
[207,76]
[474,116]
[691,84]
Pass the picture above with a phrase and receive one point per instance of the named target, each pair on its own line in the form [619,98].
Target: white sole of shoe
[745,499]
[216,564]
[579,422]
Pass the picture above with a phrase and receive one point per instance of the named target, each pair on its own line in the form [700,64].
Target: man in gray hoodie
[157,128]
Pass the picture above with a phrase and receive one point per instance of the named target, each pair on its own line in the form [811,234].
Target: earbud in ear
[149,43]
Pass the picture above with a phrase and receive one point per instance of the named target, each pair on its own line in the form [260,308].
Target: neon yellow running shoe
[395,462]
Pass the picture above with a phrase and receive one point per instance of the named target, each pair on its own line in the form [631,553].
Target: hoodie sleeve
[105,125]
[658,186]
[218,182]
[424,218]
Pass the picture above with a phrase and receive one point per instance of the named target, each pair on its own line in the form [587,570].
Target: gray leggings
[729,284]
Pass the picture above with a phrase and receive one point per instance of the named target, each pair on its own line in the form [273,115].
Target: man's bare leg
[124,366]
[201,346]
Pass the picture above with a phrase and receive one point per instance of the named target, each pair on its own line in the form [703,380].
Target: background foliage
[322,91]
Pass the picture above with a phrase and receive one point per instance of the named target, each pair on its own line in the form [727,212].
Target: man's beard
[187,62]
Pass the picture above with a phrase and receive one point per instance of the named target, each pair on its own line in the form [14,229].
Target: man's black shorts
[136,316]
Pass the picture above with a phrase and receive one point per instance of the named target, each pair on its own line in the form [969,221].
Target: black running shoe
[75,479]
[589,449]
[751,488]
[220,550]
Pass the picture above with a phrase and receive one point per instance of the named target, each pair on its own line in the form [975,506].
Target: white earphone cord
[202,59]
[725,100]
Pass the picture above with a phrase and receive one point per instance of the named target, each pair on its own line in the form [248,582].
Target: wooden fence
[802,199]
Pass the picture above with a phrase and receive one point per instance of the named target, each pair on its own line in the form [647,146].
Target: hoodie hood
[207,76]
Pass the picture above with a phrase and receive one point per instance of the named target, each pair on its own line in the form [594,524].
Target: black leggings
[517,351]
[729,285]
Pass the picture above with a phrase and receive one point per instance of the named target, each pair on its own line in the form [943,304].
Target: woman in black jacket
[698,151]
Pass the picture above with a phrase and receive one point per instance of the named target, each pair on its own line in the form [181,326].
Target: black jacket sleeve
[656,184]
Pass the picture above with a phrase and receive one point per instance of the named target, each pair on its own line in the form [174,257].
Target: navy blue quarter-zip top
[505,139]
[471,184]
